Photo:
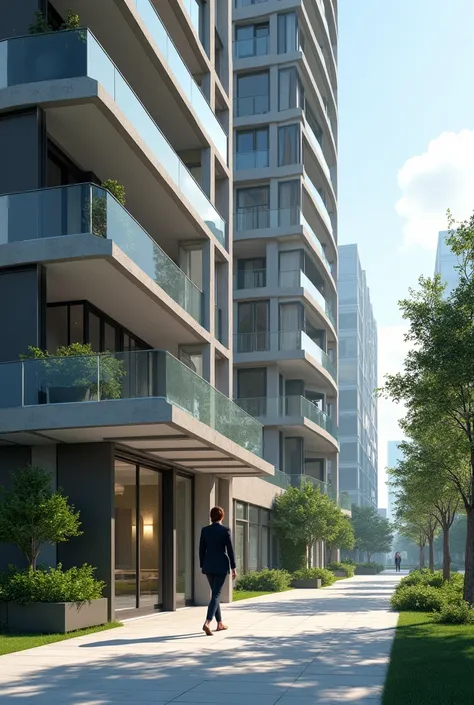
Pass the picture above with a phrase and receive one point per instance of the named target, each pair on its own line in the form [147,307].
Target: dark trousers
[397,567]
[216,583]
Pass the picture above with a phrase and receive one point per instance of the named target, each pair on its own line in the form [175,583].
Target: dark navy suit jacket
[216,553]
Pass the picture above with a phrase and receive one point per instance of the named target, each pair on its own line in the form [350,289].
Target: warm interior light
[147,530]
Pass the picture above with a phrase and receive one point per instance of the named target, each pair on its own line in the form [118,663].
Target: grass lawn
[19,642]
[431,664]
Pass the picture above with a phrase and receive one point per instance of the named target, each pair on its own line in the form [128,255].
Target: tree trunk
[369,556]
[469,561]
[431,554]
[422,556]
[446,553]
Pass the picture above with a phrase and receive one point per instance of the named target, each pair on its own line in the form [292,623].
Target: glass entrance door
[184,540]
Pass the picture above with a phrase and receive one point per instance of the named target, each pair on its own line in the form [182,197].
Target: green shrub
[378,567]
[51,585]
[327,577]
[292,556]
[264,581]
[455,613]
[421,577]
[418,598]
[347,568]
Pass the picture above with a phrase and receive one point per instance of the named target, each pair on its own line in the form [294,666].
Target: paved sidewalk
[295,648]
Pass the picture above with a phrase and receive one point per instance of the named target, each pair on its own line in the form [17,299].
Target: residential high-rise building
[446,263]
[394,454]
[285,232]
[116,203]
[358,464]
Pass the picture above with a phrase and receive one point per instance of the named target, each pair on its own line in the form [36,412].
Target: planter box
[366,571]
[56,617]
[311,584]
[339,573]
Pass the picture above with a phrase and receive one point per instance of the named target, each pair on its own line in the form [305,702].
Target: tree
[418,523]
[303,516]
[373,533]
[438,376]
[31,514]
[344,538]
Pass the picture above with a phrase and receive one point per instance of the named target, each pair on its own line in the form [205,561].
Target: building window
[288,145]
[287,33]
[294,456]
[290,90]
[253,94]
[253,206]
[252,537]
[252,326]
[252,149]
[251,273]
[288,203]
[314,124]
[251,40]
[252,390]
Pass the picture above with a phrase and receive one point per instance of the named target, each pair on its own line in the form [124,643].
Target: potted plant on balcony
[76,373]
[37,599]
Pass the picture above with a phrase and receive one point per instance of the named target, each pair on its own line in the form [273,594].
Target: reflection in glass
[184,541]
[125,536]
[150,538]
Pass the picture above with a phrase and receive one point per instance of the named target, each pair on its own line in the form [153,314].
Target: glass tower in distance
[357,382]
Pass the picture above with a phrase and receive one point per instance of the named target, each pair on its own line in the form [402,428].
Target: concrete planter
[56,617]
[366,571]
[310,584]
[339,573]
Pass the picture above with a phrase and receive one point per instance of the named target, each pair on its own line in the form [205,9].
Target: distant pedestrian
[216,556]
[398,561]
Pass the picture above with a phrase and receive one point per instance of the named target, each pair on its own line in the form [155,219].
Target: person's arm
[202,549]
[230,551]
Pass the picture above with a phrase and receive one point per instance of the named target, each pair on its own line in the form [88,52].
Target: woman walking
[216,558]
[398,561]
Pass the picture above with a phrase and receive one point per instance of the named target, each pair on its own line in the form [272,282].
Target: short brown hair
[217,514]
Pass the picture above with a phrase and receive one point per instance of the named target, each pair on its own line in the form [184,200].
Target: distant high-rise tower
[357,382]
[446,262]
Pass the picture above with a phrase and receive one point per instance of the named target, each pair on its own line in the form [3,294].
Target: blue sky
[405,79]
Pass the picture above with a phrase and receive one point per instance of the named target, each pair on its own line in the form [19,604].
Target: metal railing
[127,375]
[89,209]
[77,53]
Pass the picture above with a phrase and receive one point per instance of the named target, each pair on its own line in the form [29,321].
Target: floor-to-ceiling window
[184,540]
[253,544]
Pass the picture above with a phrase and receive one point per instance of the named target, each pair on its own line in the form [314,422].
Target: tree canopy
[373,533]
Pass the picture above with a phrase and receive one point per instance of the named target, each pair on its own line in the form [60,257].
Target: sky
[406,153]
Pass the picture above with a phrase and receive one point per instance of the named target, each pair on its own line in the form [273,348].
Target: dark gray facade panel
[17,15]
[22,313]
[22,146]
[86,475]
[12,459]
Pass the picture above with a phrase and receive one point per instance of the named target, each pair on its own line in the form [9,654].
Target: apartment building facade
[142,435]
[358,422]
[285,232]
[446,263]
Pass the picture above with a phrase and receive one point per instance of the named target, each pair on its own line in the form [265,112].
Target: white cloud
[391,354]
[440,178]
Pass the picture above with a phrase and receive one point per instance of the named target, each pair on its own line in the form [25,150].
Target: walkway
[295,648]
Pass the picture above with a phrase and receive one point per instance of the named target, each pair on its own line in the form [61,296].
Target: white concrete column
[226,501]
[204,500]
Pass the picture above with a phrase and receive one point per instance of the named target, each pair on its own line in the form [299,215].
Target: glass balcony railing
[87,208]
[321,206]
[251,105]
[290,406]
[344,501]
[280,479]
[251,279]
[319,152]
[301,480]
[255,46]
[192,7]
[257,159]
[284,340]
[75,53]
[178,68]
[296,278]
[127,375]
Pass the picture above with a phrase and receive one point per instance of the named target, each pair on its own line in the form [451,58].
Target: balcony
[194,12]
[38,59]
[251,279]
[176,66]
[87,209]
[284,341]
[255,46]
[318,150]
[247,3]
[257,159]
[251,105]
[320,205]
[109,379]
[288,407]
[293,279]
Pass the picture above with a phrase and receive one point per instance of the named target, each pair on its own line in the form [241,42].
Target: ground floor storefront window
[253,542]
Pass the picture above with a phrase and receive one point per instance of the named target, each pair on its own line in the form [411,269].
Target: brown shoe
[207,630]
[222,628]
